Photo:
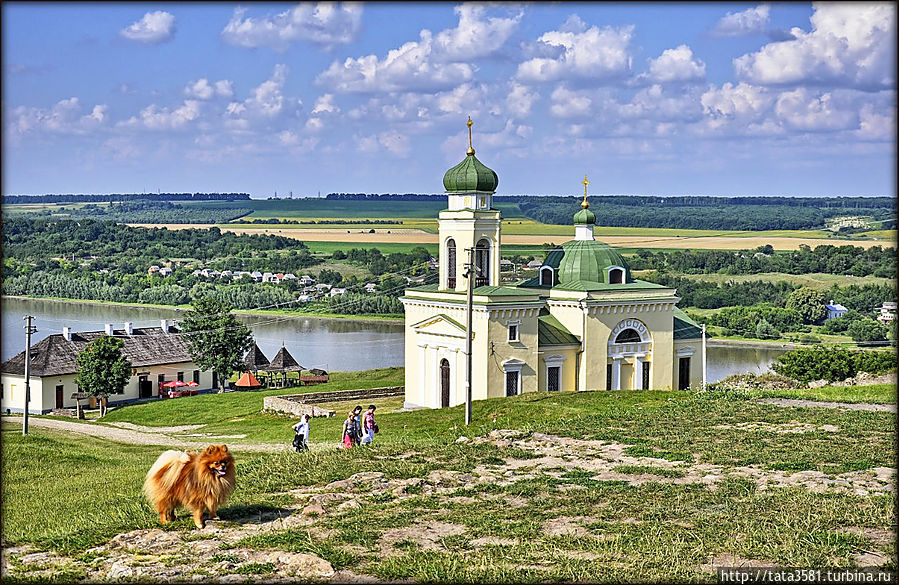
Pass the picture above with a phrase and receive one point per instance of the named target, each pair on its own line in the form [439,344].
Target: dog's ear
[210,449]
[224,448]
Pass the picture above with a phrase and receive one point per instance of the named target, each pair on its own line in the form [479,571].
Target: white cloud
[748,22]
[203,90]
[569,104]
[64,117]
[520,100]
[154,117]
[325,105]
[476,36]
[877,124]
[594,53]
[850,45]
[801,110]
[657,104]
[392,141]
[267,101]
[408,68]
[325,24]
[154,27]
[676,65]
[740,101]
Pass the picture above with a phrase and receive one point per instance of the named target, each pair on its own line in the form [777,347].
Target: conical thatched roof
[284,362]
[255,360]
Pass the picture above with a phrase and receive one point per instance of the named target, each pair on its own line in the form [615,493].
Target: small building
[226,274]
[322,287]
[157,355]
[165,271]
[834,310]
[256,275]
[506,265]
[886,314]
[153,269]
[337,291]
[370,287]
[269,277]
[307,280]
[289,276]
[534,264]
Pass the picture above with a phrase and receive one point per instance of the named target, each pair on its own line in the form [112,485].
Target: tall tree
[216,340]
[810,304]
[102,369]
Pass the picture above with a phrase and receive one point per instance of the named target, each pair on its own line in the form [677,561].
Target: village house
[337,291]
[834,310]
[165,271]
[157,355]
[886,314]
[370,287]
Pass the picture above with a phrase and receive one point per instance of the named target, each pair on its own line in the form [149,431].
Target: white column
[704,362]
[616,373]
[638,373]
[422,373]
[458,393]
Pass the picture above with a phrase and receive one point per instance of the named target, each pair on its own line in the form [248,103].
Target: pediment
[439,325]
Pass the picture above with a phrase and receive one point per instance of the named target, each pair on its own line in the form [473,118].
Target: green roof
[685,327]
[584,216]
[470,175]
[551,332]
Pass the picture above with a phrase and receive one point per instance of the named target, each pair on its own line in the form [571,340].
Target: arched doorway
[444,383]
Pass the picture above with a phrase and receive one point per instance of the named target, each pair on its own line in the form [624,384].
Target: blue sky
[645,98]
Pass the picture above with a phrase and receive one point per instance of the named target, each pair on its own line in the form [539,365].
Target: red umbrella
[174,384]
[192,384]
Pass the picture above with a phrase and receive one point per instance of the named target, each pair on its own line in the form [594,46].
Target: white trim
[512,365]
[685,351]
[631,323]
[552,272]
[609,274]
[517,325]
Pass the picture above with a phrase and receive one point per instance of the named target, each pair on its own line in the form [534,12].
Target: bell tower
[469,221]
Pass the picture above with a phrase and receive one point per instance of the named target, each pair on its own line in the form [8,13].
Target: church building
[584,323]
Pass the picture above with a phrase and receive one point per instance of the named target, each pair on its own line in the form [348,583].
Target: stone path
[135,434]
[817,404]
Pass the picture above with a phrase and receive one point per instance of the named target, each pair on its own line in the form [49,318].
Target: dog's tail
[164,473]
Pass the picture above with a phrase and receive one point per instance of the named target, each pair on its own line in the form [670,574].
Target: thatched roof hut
[284,362]
[255,360]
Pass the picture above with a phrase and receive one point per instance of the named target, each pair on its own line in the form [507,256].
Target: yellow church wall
[501,349]
[568,371]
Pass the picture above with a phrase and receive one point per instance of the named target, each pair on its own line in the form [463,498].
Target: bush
[832,364]
[867,331]
[755,382]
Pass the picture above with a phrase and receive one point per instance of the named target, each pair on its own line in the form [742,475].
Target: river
[329,344]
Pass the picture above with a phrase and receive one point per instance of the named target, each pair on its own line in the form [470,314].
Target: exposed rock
[818,383]
[154,540]
[313,508]
[463,439]
[349,505]
[119,570]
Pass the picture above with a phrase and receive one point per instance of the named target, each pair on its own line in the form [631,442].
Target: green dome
[587,260]
[470,175]
[584,216]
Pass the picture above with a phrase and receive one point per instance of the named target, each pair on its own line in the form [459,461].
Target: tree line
[852,260]
[108,197]
[143,211]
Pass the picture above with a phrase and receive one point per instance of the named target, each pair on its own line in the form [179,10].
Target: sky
[726,99]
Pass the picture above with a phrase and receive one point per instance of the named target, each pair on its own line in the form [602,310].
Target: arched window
[451,263]
[628,336]
[546,276]
[616,276]
[482,261]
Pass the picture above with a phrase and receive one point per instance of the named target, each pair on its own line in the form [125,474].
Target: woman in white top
[302,434]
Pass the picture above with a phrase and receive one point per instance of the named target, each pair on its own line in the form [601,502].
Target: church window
[616,276]
[482,261]
[628,336]
[513,331]
[451,263]
[512,383]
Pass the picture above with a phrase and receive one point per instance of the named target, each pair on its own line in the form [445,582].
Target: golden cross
[470,124]
[585,182]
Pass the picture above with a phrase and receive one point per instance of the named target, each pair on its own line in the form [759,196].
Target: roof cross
[584,203]
[470,150]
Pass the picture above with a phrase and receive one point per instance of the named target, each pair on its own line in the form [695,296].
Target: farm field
[590,486]
[812,280]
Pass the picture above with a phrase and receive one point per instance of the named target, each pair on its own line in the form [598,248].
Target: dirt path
[817,404]
[137,435]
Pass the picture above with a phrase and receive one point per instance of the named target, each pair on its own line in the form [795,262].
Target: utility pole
[704,361]
[471,272]
[29,329]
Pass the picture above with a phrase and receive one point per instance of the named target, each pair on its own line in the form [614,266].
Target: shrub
[832,364]
[867,331]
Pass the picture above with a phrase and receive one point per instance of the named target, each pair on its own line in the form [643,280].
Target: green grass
[385,248]
[876,394]
[813,280]
[89,489]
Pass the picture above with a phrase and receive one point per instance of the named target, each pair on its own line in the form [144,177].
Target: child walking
[302,434]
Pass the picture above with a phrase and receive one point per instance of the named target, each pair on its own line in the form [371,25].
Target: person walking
[357,419]
[369,426]
[349,430]
[302,434]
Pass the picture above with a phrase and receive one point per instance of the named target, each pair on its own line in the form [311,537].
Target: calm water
[330,344]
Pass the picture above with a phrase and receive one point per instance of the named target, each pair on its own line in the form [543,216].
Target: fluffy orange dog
[197,481]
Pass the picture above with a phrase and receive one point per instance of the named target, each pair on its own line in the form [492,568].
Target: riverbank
[368,317]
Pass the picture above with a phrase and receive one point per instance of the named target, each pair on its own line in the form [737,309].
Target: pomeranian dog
[197,481]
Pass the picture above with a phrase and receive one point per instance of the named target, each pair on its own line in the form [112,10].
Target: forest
[108,197]
[144,211]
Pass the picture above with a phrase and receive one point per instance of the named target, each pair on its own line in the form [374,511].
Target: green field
[812,280]
[589,486]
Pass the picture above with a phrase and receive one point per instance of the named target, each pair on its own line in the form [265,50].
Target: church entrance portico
[629,353]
